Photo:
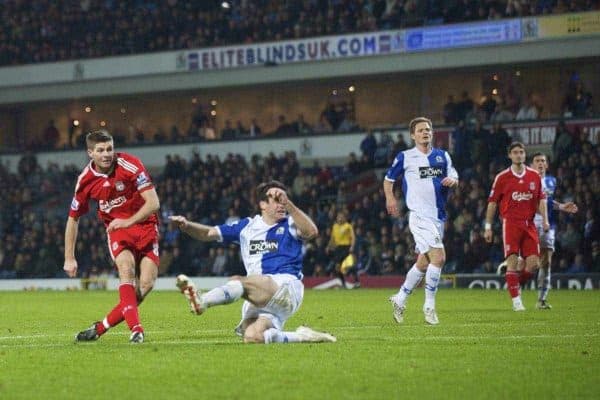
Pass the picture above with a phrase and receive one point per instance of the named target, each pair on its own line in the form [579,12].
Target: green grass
[481,349]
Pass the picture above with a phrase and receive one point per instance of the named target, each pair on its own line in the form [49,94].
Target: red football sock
[525,276]
[512,283]
[129,307]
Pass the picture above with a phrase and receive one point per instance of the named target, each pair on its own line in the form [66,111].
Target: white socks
[228,293]
[432,278]
[413,278]
[273,335]
[543,282]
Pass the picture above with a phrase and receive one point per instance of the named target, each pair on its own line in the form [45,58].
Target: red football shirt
[118,194]
[518,196]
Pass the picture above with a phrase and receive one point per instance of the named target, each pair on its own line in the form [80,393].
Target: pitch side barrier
[583,281]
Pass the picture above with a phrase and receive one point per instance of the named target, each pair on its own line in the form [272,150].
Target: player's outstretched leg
[187,287]
[413,278]
[303,334]
[225,294]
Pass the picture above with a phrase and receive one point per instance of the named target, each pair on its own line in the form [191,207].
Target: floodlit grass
[481,349]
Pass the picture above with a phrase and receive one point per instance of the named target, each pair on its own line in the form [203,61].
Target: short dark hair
[99,136]
[539,154]
[263,188]
[413,124]
[515,144]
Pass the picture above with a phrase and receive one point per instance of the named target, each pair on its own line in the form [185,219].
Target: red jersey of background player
[518,196]
[118,193]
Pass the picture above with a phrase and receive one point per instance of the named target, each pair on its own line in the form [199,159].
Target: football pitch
[481,349]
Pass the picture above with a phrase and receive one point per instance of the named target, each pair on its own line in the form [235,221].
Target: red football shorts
[520,238]
[141,240]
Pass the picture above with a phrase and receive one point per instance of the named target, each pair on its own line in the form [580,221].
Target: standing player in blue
[271,248]
[427,175]
[540,164]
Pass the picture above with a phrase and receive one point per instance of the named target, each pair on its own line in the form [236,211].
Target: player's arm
[390,200]
[352,239]
[151,206]
[70,265]
[543,211]
[196,230]
[452,179]
[305,226]
[568,207]
[489,217]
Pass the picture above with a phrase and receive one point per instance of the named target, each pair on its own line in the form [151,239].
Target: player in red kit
[518,189]
[127,204]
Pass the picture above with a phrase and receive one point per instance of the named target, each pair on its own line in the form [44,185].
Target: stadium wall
[468,281]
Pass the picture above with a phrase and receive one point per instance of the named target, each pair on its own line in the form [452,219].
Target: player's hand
[546,226]
[118,223]
[570,207]
[487,235]
[392,208]
[279,195]
[70,267]
[180,221]
[450,182]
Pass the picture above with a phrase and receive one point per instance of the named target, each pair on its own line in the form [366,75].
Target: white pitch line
[233,340]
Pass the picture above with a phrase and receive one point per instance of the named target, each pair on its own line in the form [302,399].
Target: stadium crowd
[45,31]
[35,200]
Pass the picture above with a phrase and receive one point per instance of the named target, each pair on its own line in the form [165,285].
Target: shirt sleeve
[396,169]
[141,178]
[452,173]
[540,190]
[230,233]
[496,192]
[80,202]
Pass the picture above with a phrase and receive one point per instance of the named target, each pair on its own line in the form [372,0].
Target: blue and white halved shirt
[422,176]
[266,249]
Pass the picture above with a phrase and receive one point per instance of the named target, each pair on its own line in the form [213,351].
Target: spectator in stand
[498,142]
[368,147]
[528,110]
[240,130]
[464,106]
[563,141]
[460,144]
[502,113]
[449,112]
[284,128]
[51,136]
[228,133]
[322,125]
[300,126]
[479,140]
[255,129]
[578,102]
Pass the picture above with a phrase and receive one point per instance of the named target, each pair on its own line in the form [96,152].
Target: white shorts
[546,238]
[284,303]
[427,232]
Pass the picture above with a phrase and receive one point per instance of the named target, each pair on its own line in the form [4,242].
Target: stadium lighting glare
[518,73]
[123,110]
[102,123]
[334,92]
[225,5]
[213,103]
[76,122]
[213,113]
[494,91]
[351,88]
[88,109]
[496,77]
[194,100]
